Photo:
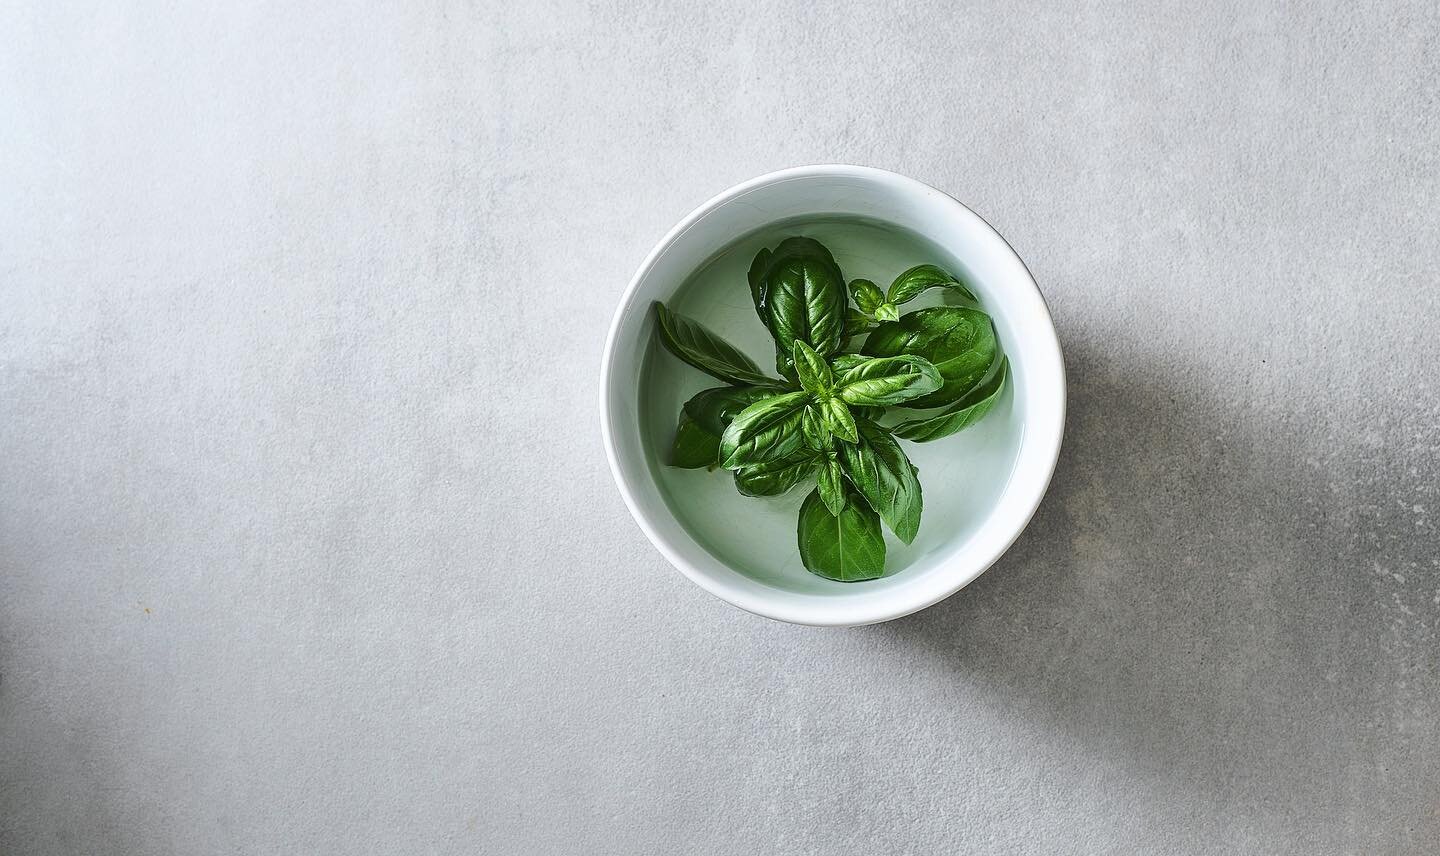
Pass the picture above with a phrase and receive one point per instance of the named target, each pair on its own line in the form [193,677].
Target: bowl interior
[962,476]
[980,486]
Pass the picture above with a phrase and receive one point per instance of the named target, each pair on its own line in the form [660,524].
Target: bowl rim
[815,612]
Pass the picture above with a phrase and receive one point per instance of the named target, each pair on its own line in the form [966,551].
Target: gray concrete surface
[307,544]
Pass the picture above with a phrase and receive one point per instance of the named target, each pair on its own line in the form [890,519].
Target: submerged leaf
[694,447]
[847,547]
[971,408]
[707,351]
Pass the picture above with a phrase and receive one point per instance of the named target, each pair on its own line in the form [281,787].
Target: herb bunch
[822,417]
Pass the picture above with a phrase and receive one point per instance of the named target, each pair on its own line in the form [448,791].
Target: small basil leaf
[881,473]
[804,296]
[921,278]
[836,418]
[706,351]
[887,312]
[830,481]
[884,381]
[845,362]
[817,436]
[716,407]
[970,409]
[848,546]
[960,341]
[775,477]
[765,431]
[811,370]
[867,295]
[694,447]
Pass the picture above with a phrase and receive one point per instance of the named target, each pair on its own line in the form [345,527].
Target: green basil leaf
[845,362]
[884,381]
[757,281]
[836,418]
[817,436]
[871,413]
[790,249]
[847,546]
[958,340]
[714,409]
[765,261]
[971,408]
[785,365]
[856,322]
[812,370]
[765,431]
[830,481]
[867,295]
[921,278]
[694,447]
[887,312]
[775,477]
[706,351]
[881,473]
[803,295]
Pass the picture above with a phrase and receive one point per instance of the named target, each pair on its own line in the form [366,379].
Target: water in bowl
[961,475]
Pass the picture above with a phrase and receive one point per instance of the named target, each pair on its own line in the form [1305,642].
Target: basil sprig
[874,305]
[822,419]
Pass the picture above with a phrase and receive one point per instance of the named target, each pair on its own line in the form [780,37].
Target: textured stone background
[307,543]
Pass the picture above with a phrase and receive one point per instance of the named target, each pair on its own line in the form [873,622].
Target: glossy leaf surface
[884,476]
[957,340]
[767,430]
[920,279]
[887,381]
[971,408]
[775,477]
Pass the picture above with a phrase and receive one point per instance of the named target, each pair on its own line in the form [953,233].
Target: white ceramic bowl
[981,486]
